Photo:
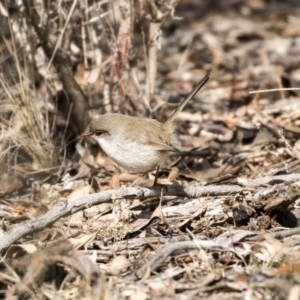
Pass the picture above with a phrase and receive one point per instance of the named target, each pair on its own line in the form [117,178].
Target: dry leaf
[84,240]
[79,192]
[118,265]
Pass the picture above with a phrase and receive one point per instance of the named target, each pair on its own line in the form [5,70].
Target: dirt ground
[223,221]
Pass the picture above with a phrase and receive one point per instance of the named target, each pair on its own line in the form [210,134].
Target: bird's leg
[145,173]
[156,176]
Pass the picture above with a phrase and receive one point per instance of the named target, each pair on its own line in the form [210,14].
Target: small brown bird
[138,144]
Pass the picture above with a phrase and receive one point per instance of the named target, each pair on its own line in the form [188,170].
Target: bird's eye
[98,132]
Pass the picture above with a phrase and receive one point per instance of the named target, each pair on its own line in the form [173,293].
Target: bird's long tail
[187,99]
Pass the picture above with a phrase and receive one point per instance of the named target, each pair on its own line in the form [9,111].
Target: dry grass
[25,133]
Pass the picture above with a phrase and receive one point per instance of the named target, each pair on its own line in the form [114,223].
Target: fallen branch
[64,208]
[169,250]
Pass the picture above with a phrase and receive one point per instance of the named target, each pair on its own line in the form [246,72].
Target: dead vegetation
[223,223]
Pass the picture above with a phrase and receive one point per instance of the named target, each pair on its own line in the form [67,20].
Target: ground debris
[223,221]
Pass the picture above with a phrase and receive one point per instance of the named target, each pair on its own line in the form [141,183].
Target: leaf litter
[225,223]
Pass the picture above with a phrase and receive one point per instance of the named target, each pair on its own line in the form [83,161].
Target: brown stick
[61,61]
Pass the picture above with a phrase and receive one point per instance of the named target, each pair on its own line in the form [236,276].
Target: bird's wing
[156,136]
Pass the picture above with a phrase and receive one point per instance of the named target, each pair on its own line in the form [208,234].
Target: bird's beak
[85,134]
